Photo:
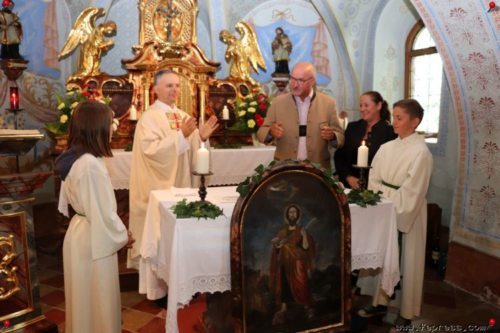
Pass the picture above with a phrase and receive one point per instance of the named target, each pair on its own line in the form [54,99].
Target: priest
[164,152]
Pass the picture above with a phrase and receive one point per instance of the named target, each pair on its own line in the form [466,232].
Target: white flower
[61,106]
[242,104]
[63,119]
[242,113]
[70,93]
[103,102]
[251,123]
[253,103]
[74,105]
[251,110]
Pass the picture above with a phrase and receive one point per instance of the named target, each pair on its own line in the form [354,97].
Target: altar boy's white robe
[407,164]
[161,158]
[95,234]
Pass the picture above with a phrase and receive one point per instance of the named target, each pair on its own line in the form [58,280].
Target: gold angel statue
[92,41]
[243,54]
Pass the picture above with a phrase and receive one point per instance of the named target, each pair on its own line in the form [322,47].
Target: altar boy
[401,170]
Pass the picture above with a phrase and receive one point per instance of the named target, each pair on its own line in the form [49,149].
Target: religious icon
[291,270]
[11,31]
[282,47]
[91,39]
[292,260]
[243,54]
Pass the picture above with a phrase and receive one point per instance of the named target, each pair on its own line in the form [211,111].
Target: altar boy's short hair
[412,107]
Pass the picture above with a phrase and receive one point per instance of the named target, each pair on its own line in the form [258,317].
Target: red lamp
[14,98]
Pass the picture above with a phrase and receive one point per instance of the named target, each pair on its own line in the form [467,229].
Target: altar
[229,166]
[182,257]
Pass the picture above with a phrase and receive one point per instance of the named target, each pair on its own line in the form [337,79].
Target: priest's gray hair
[162,72]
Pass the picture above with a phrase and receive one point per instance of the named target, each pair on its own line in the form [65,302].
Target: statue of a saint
[92,41]
[243,55]
[11,32]
[282,47]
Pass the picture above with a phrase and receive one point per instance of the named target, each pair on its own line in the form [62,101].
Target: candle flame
[363,142]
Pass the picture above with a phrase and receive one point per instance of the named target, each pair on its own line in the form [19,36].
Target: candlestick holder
[202,189]
[362,182]
[15,111]
[225,131]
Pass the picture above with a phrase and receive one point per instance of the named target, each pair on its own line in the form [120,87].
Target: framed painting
[290,252]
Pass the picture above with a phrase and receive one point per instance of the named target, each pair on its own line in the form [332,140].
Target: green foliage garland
[364,198]
[198,209]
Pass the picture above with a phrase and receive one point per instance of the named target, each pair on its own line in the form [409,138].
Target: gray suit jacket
[284,110]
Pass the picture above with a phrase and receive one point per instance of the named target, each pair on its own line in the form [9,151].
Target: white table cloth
[229,166]
[191,255]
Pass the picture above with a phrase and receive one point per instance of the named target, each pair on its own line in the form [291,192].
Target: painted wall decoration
[465,39]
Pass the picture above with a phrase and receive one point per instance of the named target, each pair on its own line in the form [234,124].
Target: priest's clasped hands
[189,124]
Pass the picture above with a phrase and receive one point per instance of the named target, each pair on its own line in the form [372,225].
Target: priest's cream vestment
[161,158]
[95,234]
[401,169]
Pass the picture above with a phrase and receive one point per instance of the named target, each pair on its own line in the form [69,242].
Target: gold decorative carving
[9,283]
[168,41]
[91,40]
[243,54]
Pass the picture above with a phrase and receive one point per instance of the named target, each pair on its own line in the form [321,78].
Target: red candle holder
[14,98]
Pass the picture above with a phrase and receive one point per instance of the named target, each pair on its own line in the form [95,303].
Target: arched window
[424,78]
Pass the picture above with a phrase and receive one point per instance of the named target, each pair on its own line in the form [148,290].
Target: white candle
[225,113]
[133,112]
[202,160]
[362,155]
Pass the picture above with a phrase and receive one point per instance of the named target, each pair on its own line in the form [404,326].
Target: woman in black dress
[374,128]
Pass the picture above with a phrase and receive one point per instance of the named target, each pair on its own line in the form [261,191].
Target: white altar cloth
[191,255]
[229,166]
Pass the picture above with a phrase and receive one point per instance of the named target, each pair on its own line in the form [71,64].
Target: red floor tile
[55,316]
[190,317]
[148,306]
[53,298]
[156,325]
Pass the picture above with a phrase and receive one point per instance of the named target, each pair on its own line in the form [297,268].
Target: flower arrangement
[66,105]
[250,112]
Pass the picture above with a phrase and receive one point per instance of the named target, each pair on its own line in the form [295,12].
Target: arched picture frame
[290,252]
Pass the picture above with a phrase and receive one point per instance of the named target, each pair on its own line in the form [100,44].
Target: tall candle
[363,155]
[14,98]
[133,112]
[225,113]
[202,160]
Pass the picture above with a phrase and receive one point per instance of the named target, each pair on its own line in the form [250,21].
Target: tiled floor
[138,314]
[443,305]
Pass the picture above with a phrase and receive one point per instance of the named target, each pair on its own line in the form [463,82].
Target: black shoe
[372,311]
[162,302]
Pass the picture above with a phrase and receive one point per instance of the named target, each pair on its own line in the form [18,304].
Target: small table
[191,255]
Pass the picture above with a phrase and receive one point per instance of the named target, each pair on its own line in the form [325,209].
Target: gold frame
[30,305]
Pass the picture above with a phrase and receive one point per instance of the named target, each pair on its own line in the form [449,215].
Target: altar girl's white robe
[161,158]
[407,164]
[95,234]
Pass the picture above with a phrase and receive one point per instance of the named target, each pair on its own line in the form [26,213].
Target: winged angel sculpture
[243,54]
[92,41]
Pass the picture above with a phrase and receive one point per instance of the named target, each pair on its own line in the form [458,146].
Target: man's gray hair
[162,72]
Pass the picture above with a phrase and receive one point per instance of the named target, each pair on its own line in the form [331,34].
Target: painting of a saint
[292,255]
